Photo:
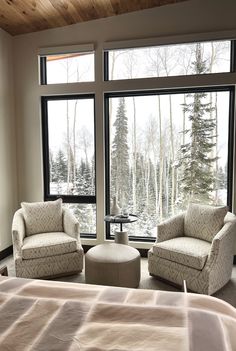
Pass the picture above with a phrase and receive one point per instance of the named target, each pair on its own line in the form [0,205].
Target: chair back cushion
[42,217]
[204,222]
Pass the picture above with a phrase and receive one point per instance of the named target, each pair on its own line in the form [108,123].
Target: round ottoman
[113,264]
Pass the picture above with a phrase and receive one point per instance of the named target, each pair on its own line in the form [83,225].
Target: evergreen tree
[60,174]
[52,165]
[220,179]
[120,155]
[197,179]
[84,181]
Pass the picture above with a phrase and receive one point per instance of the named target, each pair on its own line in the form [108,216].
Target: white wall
[8,169]
[191,17]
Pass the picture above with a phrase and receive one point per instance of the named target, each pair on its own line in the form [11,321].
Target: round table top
[120,219]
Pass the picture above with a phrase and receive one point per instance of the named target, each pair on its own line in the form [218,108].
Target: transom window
[168,60]
[72,67]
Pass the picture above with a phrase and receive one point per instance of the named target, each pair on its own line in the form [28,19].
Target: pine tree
[60,167]
[52,165]
[120,155]
[197,179]
[220,178]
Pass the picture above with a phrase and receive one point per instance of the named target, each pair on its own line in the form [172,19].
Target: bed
[49,315]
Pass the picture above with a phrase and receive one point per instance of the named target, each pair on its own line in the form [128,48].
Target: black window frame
[77,199]
[208,89]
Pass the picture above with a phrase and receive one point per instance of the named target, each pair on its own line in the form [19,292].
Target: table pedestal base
[121,237]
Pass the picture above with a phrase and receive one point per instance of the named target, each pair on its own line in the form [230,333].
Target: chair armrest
[222,245]
[18,233]
[70,224]
[171,228]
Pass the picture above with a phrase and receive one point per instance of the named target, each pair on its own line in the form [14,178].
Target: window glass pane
[70,68]
[86,215]
[166,150]
[71,146]
[169,60]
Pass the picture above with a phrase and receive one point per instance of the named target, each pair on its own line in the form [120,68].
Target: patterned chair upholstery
[46,241]
[195,246]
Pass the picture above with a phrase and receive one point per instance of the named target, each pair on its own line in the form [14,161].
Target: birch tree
[131,64]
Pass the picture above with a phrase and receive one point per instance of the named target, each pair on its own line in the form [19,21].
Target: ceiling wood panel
[26,16]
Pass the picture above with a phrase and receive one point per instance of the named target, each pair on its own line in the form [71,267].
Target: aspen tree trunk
[173,176]
[68,135]
[156,189]
[154,143]
[167,68]
[74,144]
[184,121]
[112,64]
[216,147]
[167,183]
[211,95]
[147,182]
[161,162]
[134,158]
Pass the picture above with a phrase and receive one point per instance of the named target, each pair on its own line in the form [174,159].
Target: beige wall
[187,18]
[8,172]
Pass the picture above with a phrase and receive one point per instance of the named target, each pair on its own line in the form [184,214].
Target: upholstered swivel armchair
[195,246]
[46,241]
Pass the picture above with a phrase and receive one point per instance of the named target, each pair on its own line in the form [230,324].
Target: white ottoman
[113,264]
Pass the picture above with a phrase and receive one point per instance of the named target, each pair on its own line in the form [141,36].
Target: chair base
[197,281]
[50,267]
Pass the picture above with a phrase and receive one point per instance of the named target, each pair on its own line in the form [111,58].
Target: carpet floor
[227,293]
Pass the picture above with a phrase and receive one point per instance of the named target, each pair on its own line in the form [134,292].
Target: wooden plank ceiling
[26,16]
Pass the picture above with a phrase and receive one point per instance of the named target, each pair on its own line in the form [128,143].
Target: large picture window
[165,149]
[69,157]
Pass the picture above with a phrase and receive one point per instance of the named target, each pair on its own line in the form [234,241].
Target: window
[168,119]
[166,148]
[168,60]
[69,157]
[67,68]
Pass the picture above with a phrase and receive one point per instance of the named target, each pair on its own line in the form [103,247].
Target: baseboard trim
[6,252]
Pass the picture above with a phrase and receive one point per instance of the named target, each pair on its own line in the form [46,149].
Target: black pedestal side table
[121,237]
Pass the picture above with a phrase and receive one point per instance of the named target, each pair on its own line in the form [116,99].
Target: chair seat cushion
[48,244]
[187,251]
